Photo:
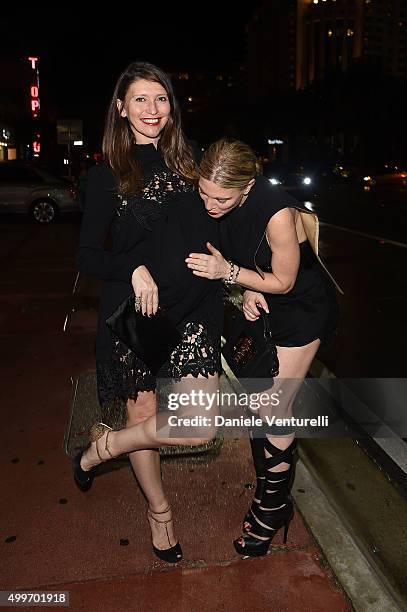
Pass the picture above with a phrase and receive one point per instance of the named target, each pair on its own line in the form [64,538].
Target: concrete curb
[361,583]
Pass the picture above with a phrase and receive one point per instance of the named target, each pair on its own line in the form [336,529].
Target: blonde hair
[229,163]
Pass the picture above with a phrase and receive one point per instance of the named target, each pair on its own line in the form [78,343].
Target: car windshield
[50,177]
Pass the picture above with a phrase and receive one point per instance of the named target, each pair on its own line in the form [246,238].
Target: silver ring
[137,303]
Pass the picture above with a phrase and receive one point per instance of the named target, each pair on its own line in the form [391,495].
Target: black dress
[157,228]
[310,310]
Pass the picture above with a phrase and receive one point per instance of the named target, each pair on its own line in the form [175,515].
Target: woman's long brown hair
[118,138]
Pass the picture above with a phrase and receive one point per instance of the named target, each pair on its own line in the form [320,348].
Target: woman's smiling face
[147,108]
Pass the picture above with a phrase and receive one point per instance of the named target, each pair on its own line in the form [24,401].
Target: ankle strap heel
[96,432]
[173,554]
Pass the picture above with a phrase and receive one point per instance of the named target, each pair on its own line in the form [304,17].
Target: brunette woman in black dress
[266,249]
[143,196]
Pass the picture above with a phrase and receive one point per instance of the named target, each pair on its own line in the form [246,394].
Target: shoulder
[103,175]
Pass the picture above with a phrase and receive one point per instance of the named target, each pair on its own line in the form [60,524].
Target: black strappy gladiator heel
[172,554]
[275,509]
[257,446]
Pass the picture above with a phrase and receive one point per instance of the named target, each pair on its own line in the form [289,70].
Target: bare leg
[294,365]
[144,435]
[146,463]
[147,469]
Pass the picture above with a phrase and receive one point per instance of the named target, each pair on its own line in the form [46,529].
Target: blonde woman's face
[220,200]
[147,108]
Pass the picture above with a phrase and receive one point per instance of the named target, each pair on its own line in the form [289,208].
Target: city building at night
[292,43]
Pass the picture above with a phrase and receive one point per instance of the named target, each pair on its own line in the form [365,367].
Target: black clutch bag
[152,339]
[250,351]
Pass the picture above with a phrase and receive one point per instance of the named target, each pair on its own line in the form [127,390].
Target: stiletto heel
[286,526]
[257,542]
[84,478]
[172,554]
[275,509]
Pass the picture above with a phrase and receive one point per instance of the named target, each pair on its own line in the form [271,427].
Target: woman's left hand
[212,266]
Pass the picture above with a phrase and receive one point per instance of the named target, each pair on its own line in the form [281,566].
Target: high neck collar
[141,145]
[147,152]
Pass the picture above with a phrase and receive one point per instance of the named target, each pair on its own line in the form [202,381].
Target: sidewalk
[97,545]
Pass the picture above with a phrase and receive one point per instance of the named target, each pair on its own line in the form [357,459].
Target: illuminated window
[349,32]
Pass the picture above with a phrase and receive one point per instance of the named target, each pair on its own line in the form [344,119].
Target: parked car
[27,188]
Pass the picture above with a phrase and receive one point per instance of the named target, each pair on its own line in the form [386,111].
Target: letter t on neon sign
[33,61]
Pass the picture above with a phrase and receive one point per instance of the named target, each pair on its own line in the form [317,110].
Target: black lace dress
[157,228]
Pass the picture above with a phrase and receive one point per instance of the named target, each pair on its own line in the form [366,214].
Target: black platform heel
[275,509]
[257,447]
[84,478]
[172,554]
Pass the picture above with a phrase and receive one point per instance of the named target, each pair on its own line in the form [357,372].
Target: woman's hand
[212,266]
[251,301]
[146,290]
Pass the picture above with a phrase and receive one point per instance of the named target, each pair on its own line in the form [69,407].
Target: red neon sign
[34,88]
[33,61]
[35,103]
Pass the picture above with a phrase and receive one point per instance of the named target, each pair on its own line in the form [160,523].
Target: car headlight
[275,181]
[307,180]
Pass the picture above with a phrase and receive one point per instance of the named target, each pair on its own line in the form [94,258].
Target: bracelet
[229,280]
[237,273]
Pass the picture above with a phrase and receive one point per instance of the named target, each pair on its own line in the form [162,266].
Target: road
[376,212]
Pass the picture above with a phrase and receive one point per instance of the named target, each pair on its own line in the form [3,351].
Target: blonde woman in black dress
[266,250]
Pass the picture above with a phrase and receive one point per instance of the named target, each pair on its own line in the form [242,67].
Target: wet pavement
[96,545]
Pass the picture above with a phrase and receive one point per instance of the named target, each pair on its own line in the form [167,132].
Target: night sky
[83,48]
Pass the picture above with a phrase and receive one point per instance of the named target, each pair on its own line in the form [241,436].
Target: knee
[141,409]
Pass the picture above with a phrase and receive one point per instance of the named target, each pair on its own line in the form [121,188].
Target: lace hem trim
[198,354]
